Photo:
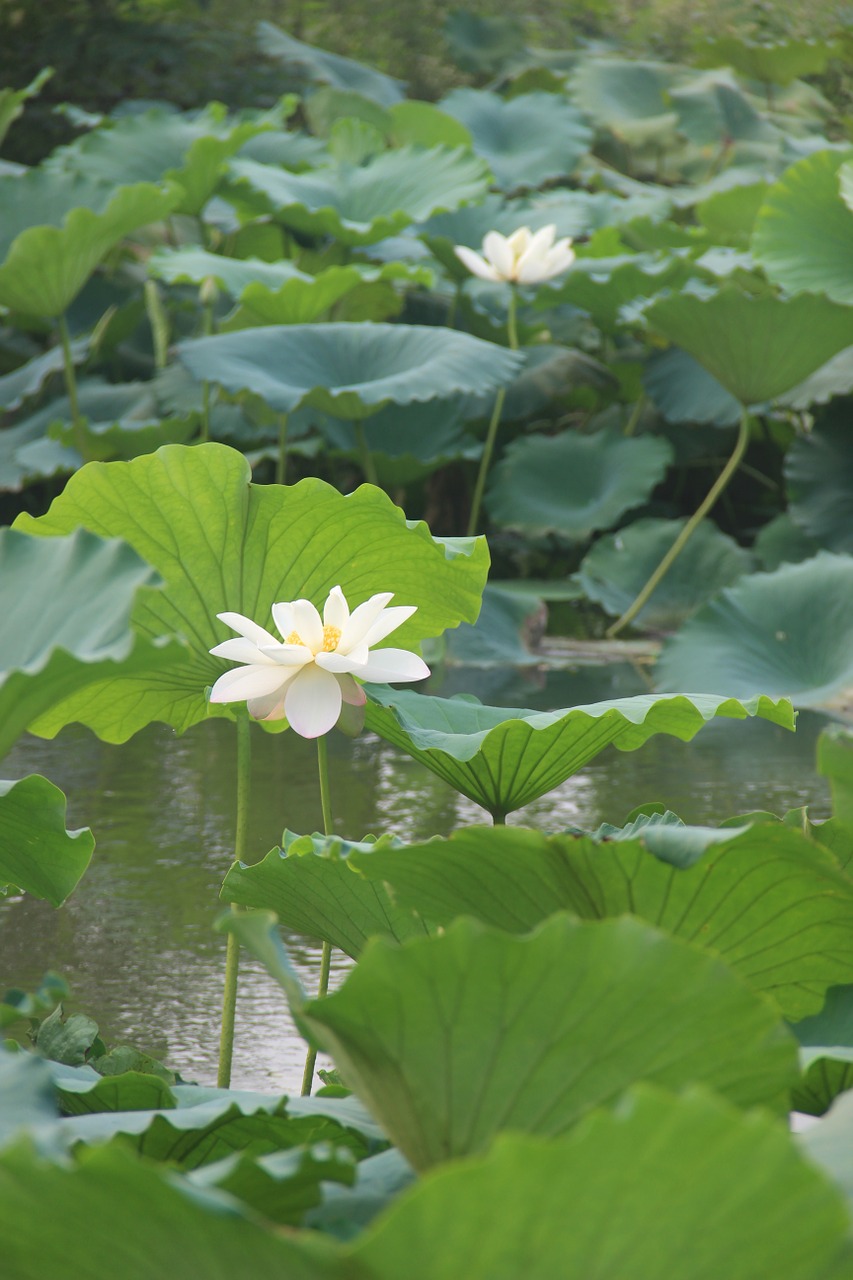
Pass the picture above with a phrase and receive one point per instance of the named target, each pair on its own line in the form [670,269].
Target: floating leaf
[525,141]
[349,370]
[359,205]
[503,758]
[573,484]
[819,481]
[770,902]
[757,347]
[620,564]
[786,632]
[37,854]
[222,543]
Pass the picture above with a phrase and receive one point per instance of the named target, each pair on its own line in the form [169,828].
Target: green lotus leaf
[730,215]
[503,758]
[313,889]
[757,347]
[42,197]
[27,1096]
[483,45]
[603,286]
[37,854]
[424,124]
[525,141]
[409,1021]
[573,484]
[222,543]
[773,62]
[12,100]
[770,902]
[714,110]
[359,205]
[188,149]
[630,1193]
[303,299]
[786,632]
[404,439]
[826,1052]
[349,370]
[76,629]
[835,762]
[630,98]
[47,266]
[193,265]
[282,1186]
[620,564]
[25,381]
[97,1204]
[803,234]
[501,634]
[319,66]
[819,481]
[685,392]
[291,150]
[781,540]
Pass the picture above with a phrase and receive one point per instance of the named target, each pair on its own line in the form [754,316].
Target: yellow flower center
[331,638]
[294,638]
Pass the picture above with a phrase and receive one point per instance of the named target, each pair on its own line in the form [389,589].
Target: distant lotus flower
[310,675]
[525,257]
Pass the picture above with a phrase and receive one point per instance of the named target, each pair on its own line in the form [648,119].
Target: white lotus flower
[525,257]
[310,676]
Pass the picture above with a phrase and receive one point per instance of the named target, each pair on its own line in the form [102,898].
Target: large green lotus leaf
[603,286]
[97,1206]
[47,266]
[773,62]
[484,45]
[193,265]
[422,433]
[361,204]
[349,370]
[757,347]
[781,540]
[803,234]
[685,392]
[303,299]
[424,124]
[27,1095]
[222,543]
[826,1052]
[616,91]
[573,484]
[770,902]
[501,634]
[503,758]
[730,215]
[714,111]
[281,1186]
[786,632]
[292,150]
[75,630]
[42,197]
[190,149]
[562,1018]
[684,1187]
[527,140]
[25,381]
[619,565]
[319,66]
[313,889]
[819,481]
[37,853]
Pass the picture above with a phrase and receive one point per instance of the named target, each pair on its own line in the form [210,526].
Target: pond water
[135,942]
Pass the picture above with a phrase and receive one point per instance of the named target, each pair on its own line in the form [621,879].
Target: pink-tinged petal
[361,620]
[239,650]
[336,609]
[475,264]
[389,620]
[246,682]
[287,655]
[388,666]
[499,252]
[307,624]
[282,616]
[269,708]
[312,703]
[246,627]
[351,692]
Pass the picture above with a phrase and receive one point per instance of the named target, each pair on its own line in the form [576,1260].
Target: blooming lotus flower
[525,257]
[309,676]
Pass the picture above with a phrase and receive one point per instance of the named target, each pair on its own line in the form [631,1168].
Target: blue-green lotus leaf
[301,299]
[620,564]
[787,633]
[686,392]
[757,347]
[781,541]
[426,125]
[193,265]
[603,286]
[25,381]
[771,61]
[714,110]
[320,67]
[503,758]
[573,484]
[527,140]
[803,235]
[222,543]
[819,481]
[730,215]
[632,99]
[42,197]
[360,204]
[349,370]
[37,854]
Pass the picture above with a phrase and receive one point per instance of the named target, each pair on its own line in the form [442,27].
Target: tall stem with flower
[525,257]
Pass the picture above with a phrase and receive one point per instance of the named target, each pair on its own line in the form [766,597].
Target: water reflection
[136,942]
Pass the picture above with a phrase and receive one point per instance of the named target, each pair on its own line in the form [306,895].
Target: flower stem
[368,466]
[689,529]
[326,954]
[232,953]
[71,388]
[281,461]
[491,434]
